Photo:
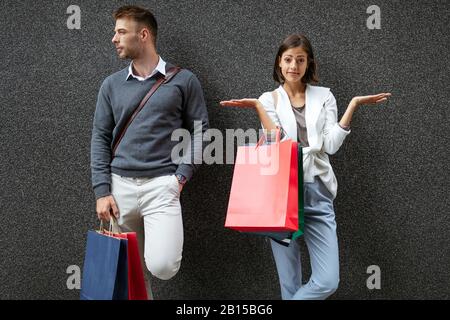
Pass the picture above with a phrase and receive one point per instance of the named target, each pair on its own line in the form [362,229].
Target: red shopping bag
[136,282]
[264,190]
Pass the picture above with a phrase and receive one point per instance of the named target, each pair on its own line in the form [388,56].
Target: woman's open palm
[243,103]
[372,99]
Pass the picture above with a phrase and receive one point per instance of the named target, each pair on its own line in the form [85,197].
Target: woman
[307,114]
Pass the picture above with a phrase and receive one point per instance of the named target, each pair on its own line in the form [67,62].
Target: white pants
[151,208]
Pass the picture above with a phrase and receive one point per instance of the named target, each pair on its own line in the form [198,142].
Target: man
[138,182]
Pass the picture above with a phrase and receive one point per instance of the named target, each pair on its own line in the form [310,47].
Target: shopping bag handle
[263,138]
[113,226]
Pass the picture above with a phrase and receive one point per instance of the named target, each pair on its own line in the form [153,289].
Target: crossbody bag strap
[170,74]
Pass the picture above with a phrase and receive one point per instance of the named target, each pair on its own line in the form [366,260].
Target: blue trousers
[321,241]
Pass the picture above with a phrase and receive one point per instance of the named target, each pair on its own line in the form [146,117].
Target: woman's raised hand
[373,99]
[242,103]
[254,104]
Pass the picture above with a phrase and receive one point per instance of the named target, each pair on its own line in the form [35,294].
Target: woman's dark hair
[293,41]
[140,15]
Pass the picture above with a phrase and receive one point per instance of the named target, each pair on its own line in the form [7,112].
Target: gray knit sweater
[145,150]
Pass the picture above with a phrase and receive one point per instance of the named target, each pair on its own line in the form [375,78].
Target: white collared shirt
[160,67]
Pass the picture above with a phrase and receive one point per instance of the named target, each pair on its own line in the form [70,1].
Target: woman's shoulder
[266,96]
[320,93]
[269,95]
[319,89]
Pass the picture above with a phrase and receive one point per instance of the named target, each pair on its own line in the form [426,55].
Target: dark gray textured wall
[392,205]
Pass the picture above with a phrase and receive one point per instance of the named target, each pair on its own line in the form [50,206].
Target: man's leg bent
[163,226]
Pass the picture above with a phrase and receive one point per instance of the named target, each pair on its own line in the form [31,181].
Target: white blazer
[325,135]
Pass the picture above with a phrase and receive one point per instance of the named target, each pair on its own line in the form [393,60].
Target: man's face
[126,38]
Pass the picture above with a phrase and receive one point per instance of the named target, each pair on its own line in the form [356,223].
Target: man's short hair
[140,15]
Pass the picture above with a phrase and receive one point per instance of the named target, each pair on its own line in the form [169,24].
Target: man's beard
[127,55]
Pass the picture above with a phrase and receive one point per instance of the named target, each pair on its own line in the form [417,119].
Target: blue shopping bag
[105,270]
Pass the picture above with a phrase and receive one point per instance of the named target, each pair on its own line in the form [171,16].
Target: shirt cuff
[102,190]
[346,128]
[185,170]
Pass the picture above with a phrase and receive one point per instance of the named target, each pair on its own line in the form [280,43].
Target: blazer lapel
[313,102]
[314,105]
[286,115]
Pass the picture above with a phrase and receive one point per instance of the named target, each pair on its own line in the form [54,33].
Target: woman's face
[293,64]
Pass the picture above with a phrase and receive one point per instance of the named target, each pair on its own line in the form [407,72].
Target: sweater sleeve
[102,130]
[195,120]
